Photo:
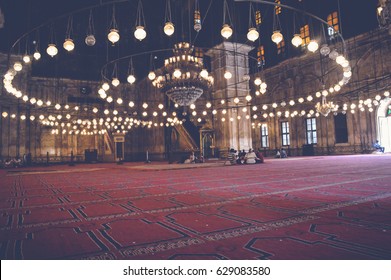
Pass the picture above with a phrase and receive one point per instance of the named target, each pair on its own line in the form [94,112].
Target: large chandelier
[325,107]
[183,77]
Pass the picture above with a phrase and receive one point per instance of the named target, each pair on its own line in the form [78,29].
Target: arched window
[333,22]
[305,35]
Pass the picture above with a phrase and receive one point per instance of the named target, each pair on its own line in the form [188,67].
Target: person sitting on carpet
[232,157]
[378,147]
[278,154]
[250,157]
[259,156]
[283,153]
[191,158]
[241,155]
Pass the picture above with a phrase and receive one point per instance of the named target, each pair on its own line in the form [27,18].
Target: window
[285,133]
[277,8]
[261,56]
[332,20]
[311,131]
[281,47]
[264,136]
[258,18]
[198,52]
[341,128]
[305,34]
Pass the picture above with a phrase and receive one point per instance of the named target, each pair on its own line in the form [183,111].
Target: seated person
[278,154]
[232,157]
[241,157]
[378,147]
[200,159]
[283,153]
[250,157]
[191,158]
[8,163]
[259,156]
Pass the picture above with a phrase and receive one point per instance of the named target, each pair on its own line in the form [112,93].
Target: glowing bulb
[204,73]
[169,28]
[140,33]
[37,55]
[69,45]
[105,86]
[113,36]
[297,40]
[313,46]
[131,79]
[252,34]
[227,75]
[226,31]
[115,82]
[151,75]
[26,59]
[18,66]
[52,50]
[277,37]
[177,73]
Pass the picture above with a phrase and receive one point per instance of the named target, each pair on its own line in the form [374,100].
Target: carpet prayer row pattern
[336,207]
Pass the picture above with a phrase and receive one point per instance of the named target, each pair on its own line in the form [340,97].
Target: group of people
[241,157]
[16,161]
[281,153]
[11,162]
[192,158]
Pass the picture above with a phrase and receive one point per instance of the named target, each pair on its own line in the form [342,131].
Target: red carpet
[336,207]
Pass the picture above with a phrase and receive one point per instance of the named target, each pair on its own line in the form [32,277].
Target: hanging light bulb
[26,59]
[140,33]
[90,40]
[69,45]
[252,34]
[105,86]
[37,55]
[313,46]
[257,81]
[151,75]
[169,28]
[227,75]
[177,73]
[325,50]
[204,73]
[297,40]
[113,36]
[115,82]
[131,79]
[277,37]
[52,50]
[333,55]
[197,17]
[226,31]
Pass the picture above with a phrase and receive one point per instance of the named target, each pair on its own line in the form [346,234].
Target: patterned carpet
[336,207]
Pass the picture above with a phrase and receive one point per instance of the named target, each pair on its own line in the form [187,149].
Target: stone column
[235,131]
